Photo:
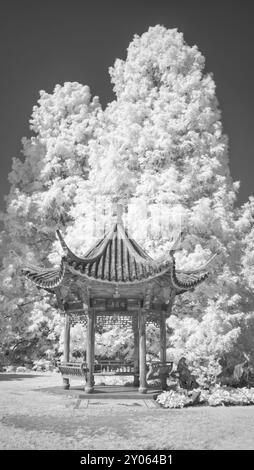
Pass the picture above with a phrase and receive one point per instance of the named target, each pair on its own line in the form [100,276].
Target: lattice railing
[103,367]
[78,369]
[111,367]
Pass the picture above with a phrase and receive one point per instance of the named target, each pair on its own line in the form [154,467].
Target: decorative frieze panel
[102,320]
[115,305]
[78,318]
[121,320]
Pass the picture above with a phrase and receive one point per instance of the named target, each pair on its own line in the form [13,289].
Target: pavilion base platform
[117,392]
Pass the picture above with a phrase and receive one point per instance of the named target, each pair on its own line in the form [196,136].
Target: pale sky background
[43,43]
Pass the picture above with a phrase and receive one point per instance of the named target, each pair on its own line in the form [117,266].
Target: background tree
[159,146]
[246,224]
[43,184]
[161,143]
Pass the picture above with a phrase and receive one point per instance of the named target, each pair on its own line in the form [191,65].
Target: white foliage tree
[43,184]
[246,223]
[163,143]
[159,146]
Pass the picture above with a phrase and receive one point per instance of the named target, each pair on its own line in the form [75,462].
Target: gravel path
[31,418]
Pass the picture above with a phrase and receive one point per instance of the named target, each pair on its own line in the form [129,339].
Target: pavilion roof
[116,259]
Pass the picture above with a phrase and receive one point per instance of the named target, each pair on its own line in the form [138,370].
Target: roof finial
[118,212]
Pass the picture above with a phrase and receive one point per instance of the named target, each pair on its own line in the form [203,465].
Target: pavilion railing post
[142,352]
[163,348]
[89,388]
[136,350]
[66,382]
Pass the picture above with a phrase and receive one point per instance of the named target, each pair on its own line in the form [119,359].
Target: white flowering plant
[173,399]
[224,396]
[216,396]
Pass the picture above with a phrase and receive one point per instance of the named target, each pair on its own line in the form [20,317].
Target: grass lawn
[31,418]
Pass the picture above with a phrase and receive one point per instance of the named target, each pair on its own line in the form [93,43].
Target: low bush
[173,399]
[216,396]
[42,365]
[225,396]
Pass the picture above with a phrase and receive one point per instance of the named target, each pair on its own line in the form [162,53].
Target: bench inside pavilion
[118,282]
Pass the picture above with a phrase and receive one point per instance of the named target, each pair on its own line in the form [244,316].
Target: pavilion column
[142,352]
[163,348]
[89,388]
[66,358]
[136,349]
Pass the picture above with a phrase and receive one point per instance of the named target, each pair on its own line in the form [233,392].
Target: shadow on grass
[111,392]
[5,377]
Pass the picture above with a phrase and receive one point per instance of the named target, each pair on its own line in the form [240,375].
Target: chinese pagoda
[116,282]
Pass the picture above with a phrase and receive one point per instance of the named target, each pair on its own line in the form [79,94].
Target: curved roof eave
[45,278]
[118,260]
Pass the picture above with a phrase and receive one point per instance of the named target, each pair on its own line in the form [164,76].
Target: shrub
[223,396]
[216,396]
[42,365]
[173,399]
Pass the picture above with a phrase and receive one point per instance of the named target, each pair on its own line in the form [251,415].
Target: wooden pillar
[142,352]
[66,382]
[163,348]
[89,388]
[136,349]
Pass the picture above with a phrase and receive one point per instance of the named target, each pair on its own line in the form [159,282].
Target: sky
[43,43]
